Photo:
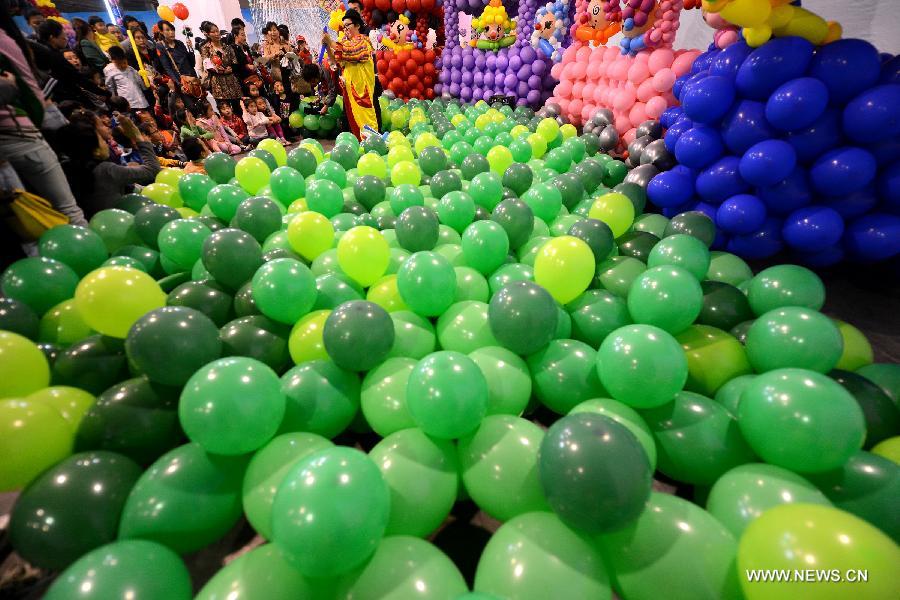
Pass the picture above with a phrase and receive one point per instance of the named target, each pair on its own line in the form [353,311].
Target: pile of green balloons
[354,350]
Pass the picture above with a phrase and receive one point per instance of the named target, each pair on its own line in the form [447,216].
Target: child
[274,129]
[303,51]
[284,103]
[122,80]
[188,127]
[196,152]
[256,122]
[234,124]
[210,122]
[165,142]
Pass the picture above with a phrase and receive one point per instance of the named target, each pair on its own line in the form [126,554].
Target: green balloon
[882,416]
[194,189]
[414,336]
[683,251]
[284,290]
[231,256]
[618,273]
[224,199]
[404,196]
[404,568]
[186,500]
[456,210]
[447,395]
[330,512]
[819,424]
[92,364]
[116,228]
[667,297]
[383,396]
[523,317]
[544,200]
[508,379]
[596,314]
[427,283]
[583,451]
[181,241]
[485,246]
[302,160]
[320,398]
[324,196]
[487,190]
[794,337]
[747,491]
[220,167]
[626,417]
[886,375]
[470,284]
[124,569]
[39,283]
[257,337]
[724,306]
[333,289]
[728,268]
[205,296]
[332,171]
[616,171]
[675,542]
[358,335]
[697,438]
[565,374]
[421,473]
[17,317]
[444,182]
[653,223]
[266,471]
[528,253]
[785,285]
[147,257]
[535,556]
[694,223]
[71,508]
[642,366]
[232,406]
[79,248]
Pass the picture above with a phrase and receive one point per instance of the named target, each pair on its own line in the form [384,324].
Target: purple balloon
[522,89]
[468,62]
[491,61]
[467,77]
[515,62]
[533,97]
[478,78]
[510,80]
[534,82]
[502,62]
[539,67]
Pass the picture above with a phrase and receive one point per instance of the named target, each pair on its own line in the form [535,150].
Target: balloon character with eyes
[550,27]
[760,20]
[399,35]
[645,23]
[495,28]
[594,27]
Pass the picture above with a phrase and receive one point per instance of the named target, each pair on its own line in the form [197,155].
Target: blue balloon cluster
[789,146]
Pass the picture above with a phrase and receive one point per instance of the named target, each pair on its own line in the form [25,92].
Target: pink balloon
[642,57]
[655,107]
[596,55]
[600,94]
[646,90]
[583,54]
[611,54]
[624,99]
[593,71]
[587,111]
[622,124]
[567,71]
[578,89]
[618,69]
[556,70]
[670,98]
[655,35]
[601,69]
[638,113]
[660,58]
[682,63]
[588,90]
[638,72]
[666,25]
[663,80]
[575,106]
[564,89]
[579,70]
[629,136]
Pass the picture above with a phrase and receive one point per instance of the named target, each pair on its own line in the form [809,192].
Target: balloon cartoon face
[596,17]
[551,26]
[547,24]
[492,32]
[399,30]
[494,27]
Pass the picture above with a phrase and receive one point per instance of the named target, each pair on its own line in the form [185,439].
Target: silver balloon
[653,128]
[641,175]
[561,120]
[635,148]
[553,109]
[656,154]
[389,94]
[609,138]
[603,116]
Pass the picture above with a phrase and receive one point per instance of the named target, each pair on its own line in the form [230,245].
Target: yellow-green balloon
[364,254]
[72,403]
[23,367]
[275,149]
[252,173]
[111,299]
[33,437]
[310,234]
[564,266]
[614,209]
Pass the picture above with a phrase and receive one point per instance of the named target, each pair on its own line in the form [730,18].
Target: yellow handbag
[29,216]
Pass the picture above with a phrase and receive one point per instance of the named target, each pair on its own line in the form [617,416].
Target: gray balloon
[553,109]
[388,94]
[561,120]
[609,138]
[635,148]
[653,128]
[656,154]
[603,116]
[641,175]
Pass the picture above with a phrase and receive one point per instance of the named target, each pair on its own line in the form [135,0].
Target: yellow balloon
[187,212]
[274,148]
[747,13]
[306,343]
[363,254]
[614,209]
[425,140]
[565,267]
[111,299]
[457,119]
[399,154]
[568,130]
[538,145]
[23,367]
[33,437]
[385,294]
[857,351]
[482,121]
[252,173]
[889,449]
[310,234]
[72,403]
[163,193]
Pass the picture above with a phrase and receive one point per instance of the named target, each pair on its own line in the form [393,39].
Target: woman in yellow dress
[354,55]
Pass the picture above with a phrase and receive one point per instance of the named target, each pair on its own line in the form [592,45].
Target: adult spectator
[34,18]
[245,68]
[236,23]
[176,61]
[275,51]
[87,43]
[50,57]
[219,63]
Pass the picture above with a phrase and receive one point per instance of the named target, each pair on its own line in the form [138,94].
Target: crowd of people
[83,121]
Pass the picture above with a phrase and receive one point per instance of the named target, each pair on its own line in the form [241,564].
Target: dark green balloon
[93,364]
[220,167]
[591,143]
[148,257]
[345,155]
[208,297]
[358,335]
[259,216]
[133,203]
[169,344]
[265,156]
[41,283]
[333,289]
[258,337]
[17,317]
[523,317]
[516,218]
[80,248]
[417,228]
[369,190]
[136,418]
[596,314]
[594,472]
[724,306]
[232,256]
[474,164]
[597,235]
[591,173]
[635,193]
[444,182]
[72,508]
[150,220]
[244,304]
[432,160]
[564,374]
[616,171]
[518,177]
[881,414]
[693,223]
[571,188]
[637,244]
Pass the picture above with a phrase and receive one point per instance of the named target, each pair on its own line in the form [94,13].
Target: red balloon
[412,80]
[429,56]
[398,5]
[418,56]
[383,5]
[429,93]
[396,83]
[382,65]
[368,4]
[395,65]
[429,69]
[410,66]
[427,5]
[414,6]
[180,10]
[428,81]
[403,55]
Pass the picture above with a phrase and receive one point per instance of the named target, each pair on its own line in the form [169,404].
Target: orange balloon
[165,13]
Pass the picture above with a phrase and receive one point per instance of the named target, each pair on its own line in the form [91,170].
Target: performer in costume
[354,55]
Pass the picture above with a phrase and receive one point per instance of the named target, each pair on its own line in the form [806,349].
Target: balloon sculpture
[406,59]
[759,20]
[551,25]
[494,28]
[398,35]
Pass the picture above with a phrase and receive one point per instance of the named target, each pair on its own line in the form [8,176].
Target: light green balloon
[616,274]
[383,396]
[508,379]
[464,327]
[414,336]
[728,268]
[471,285]
[626,416]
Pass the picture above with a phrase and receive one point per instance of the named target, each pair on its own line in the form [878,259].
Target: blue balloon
[873,237]
[890,70]
[787,195]
[874,115]
[707,209]
[707,100]
[745,125]
[820,259]
[812,228]
[797,103]
[721,180]
[768,162]
[691,81]
[670,188]
[888,187]
[846,67]
[699,147]
[670,115]
[674,132]
[671,211]
[703,60]
[842,170]
[885,151]
[821,136]
[679,85]
[775,62]
[854,204]
[727,62]
[762,243]
[741,214]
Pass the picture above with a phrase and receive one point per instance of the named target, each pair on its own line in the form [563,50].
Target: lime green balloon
[564,374]
[310,234]
[797,537]
[499,158]
[794,337]
[273,147]
[447,395]
[33,435]
[565,267]
[508,379]
[406,172]
[548,129]
[498,465]
[785,285]
[23,367]
[714,357]
[266,471]
[667,297]
[421,473]
[857,350]
[614,209]
[330,512]
[625,416]
[63,324]
[383,396]
[111,299]
[889,449]
[252,173]
[363,254]
[535,556]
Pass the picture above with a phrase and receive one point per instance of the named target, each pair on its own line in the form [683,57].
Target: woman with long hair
[276,52]
[86,38]
[219,63]
[354,55]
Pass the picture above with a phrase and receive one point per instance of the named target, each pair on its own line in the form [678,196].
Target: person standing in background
[102,37]
[87,43]
[122,80]
[34,18]
[177,62]
[219,63]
